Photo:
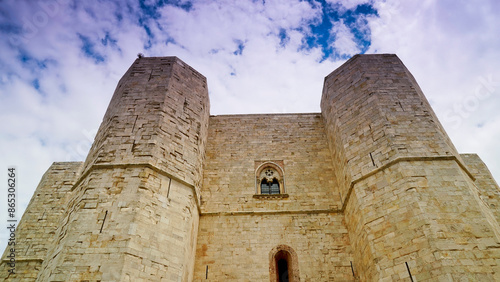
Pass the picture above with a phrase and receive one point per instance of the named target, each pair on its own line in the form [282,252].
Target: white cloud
[262,72]
[344,41]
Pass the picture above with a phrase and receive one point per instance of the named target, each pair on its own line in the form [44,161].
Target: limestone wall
[410,197]
[235,143]
[36,229]
[238,231]
[129,224]
[424,214]
[488,189]
[373,106]
[158,115]
[237,247]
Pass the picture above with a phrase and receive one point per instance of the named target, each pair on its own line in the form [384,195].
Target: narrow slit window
[283,265]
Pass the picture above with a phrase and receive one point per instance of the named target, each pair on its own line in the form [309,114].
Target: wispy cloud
[343,39]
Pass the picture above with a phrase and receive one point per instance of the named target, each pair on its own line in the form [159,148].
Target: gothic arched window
[269,179]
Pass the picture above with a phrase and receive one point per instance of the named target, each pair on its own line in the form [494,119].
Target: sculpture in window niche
[270,179]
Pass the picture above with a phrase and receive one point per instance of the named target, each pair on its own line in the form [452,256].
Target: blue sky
[60,61]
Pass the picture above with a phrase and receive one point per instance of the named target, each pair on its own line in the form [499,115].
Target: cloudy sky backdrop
[60,61]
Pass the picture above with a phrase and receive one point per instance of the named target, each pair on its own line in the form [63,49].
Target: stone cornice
[353,183]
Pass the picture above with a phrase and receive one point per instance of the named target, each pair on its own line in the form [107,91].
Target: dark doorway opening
[283,270]
[283,264]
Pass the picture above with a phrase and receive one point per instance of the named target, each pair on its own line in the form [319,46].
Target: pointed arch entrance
[283,264]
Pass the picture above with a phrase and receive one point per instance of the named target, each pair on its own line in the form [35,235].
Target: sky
[60,61]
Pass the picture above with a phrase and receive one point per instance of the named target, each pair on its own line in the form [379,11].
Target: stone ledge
[139,165]
[271,212]
[404,159]
[270,196]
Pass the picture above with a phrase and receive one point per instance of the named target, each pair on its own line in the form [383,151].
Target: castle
[370,189]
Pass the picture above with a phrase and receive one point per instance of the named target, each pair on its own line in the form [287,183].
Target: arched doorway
[283,264]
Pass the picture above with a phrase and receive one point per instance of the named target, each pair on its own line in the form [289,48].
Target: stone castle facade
[370,189]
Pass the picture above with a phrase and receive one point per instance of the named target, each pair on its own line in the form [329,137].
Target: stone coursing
[168,193]
[36,230]
[412,200]
[487,187]
[237,230]
[237,247]
[236,142]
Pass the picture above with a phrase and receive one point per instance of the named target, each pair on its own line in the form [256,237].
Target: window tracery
[269,179]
